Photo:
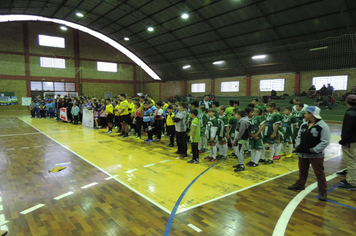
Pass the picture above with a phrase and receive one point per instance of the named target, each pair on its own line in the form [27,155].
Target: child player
[203,129]
[242,134]
[109,110]
[289,122]
[211,131]
[257,125]
[232,123]
[170,126]
[33,109]
[158,118]
[278,145]
[271,127]
[223,132]
[194,135]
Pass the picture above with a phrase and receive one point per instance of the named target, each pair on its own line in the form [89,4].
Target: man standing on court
[313,137]
[348,142]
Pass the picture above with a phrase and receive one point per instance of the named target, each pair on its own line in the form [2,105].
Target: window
[51,41]
[198,88]
[106,66]
[70,87]
[47,86]
[52,62]
[36,86]
[272,84]
[58,86]
[232,86]
[339,82]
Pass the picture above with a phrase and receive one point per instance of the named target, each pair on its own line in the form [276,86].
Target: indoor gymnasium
[178,117]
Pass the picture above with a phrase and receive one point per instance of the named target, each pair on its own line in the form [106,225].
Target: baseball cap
[351,98]
[315,111]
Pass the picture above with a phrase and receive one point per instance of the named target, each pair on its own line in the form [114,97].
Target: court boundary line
[124,184]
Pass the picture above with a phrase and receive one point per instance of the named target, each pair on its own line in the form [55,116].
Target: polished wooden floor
[146,181]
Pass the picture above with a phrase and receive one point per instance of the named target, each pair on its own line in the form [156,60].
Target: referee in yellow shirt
[109,110]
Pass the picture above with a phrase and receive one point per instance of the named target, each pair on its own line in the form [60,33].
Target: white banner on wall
[64,114]
[26,101]
[88,119]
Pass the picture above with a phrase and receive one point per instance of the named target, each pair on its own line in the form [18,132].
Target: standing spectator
[313,137]
[348,142]
[323,90]
[206,102]
[75,113]
[180,128]
[58,107]
[330,89]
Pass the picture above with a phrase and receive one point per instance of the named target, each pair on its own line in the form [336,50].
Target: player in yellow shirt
[125,116]
[131,112]
[149,98]
[109,110]
[117,117]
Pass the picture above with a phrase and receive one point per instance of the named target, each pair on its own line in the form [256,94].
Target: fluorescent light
[79,14]
[218,62]
[316,49]
[63,28]
[185,16]
[126,39]
[186,67]
[104,38]
[150,29]
[259,57]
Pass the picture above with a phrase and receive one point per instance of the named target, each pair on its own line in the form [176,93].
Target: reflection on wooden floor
[152,171]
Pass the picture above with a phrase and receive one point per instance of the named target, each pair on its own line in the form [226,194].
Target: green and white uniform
[299,115]
[211,129]
[222,124]
[282,133]
[232,123]
[288,127]
[271,121]
[202,127]
[255,124]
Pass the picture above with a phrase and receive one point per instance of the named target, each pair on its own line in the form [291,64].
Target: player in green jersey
[257,125]
[271,127]
[216,106]
[289,123]
[211,134]
[278,145]
[223,132]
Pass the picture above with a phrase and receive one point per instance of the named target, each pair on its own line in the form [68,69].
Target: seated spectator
[353,91]
[312,92]
[323,91]
[320,101]
[330,102]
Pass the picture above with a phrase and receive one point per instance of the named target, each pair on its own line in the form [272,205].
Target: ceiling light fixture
[316,49]
[126,39]
[185,16]
[218,62]
[150,29]
[63,28]
[79,14]
[186,67]
[258,57]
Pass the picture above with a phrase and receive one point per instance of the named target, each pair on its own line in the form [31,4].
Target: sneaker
[96,128]
[106,132]
[183,155]
[191,152]
[109,132]
[149,140]
[143,133]
[277,157]
[169,145]
[347,187]
[219,157]
[208,158]
[200,151]
[253,164]
[146,139]
[138,138]
[283,153]
[240,168]
[235,166]
[177,152]
[192,161]
[269,162]
[121,134]
[343,181]
[323,196]
[289,155]
[132,130]
[203,149]
[343,172]
[296,187]
[213,160]
[249,163]
[262,160]
[154,137]
[125,136]
[246,152]
[163,135]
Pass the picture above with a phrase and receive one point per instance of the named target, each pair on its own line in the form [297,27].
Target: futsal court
[116,186]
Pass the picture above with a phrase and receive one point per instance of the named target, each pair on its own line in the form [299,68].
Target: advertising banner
[63,114]
[88,119]
[26,101]
[8,100]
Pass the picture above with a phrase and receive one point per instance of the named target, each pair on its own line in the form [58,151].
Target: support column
[27,58]
[248,86]
[212,86]
[76,59]
[297,83]
[134,80]
[185,87]
[159,89]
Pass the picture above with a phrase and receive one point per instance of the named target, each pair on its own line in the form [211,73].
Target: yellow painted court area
[154,171]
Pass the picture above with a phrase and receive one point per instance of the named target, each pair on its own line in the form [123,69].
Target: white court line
[31,209]
[63,196]
[195,228]
[65,163]
[283,220]
[5,135]
[3,222]
[89,185]
[164,161]
[121,182]
[130,171]
[10,149]
[149,165]
[24,147]
[38,146]
[112,177]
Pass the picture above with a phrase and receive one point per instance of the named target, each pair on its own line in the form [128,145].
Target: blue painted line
[175,208]
[353,208]
[331,189]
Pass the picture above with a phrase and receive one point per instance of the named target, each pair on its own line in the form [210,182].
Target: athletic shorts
[222,139]
[288,138]
[255,144]
[125,119]
[267,139]
[109,118]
